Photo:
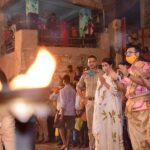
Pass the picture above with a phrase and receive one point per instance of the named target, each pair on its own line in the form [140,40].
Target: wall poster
[32,6]
[84,16]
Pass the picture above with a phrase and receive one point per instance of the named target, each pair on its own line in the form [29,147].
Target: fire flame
[0,86]
[39,75]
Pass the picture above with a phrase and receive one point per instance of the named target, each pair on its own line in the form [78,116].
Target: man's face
[132,55]
[131,52]
[92,63]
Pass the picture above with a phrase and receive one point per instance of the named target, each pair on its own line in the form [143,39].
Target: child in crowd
[81,123]
[56,103]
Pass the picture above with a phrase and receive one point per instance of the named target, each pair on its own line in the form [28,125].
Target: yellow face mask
[131,59]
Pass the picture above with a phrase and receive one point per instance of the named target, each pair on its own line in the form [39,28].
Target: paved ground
[54,147]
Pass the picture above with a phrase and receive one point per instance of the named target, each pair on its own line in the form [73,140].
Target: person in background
[137,107]
[89,81]
[74,32]
[84,140]
[107,117]
[67,112]
[53,28]
[55,96]
[77,74]
[89,33]
[71,73]
[43,130]
[43,126]
[89,28]
[7,121]
[64,34]
[80,134]
[126,138]
[74,36]
[53,103]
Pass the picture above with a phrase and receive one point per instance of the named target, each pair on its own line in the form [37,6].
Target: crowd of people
[54,31]
[110,105]
[101,108]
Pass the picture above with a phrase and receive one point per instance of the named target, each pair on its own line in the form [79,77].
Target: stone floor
[54,147]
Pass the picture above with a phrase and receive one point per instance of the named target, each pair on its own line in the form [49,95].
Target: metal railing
[47,39]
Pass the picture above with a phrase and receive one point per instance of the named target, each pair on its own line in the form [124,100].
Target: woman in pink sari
[138,103]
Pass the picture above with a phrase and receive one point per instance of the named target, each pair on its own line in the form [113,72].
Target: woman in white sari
[107,119]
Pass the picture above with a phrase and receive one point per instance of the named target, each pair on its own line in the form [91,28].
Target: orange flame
[39,75]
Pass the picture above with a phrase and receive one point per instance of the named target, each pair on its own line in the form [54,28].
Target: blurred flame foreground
[39,75]
[0,86]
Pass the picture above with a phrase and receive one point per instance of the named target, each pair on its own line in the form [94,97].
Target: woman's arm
[133,78]
[115,78]
[80,85]
[143,76]
[120,86]
[146,81]
[103,82]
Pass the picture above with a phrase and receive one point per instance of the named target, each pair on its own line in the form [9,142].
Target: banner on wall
[32,6]
[84,16]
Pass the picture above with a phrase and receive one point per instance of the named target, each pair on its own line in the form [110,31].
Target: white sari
[107,118]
